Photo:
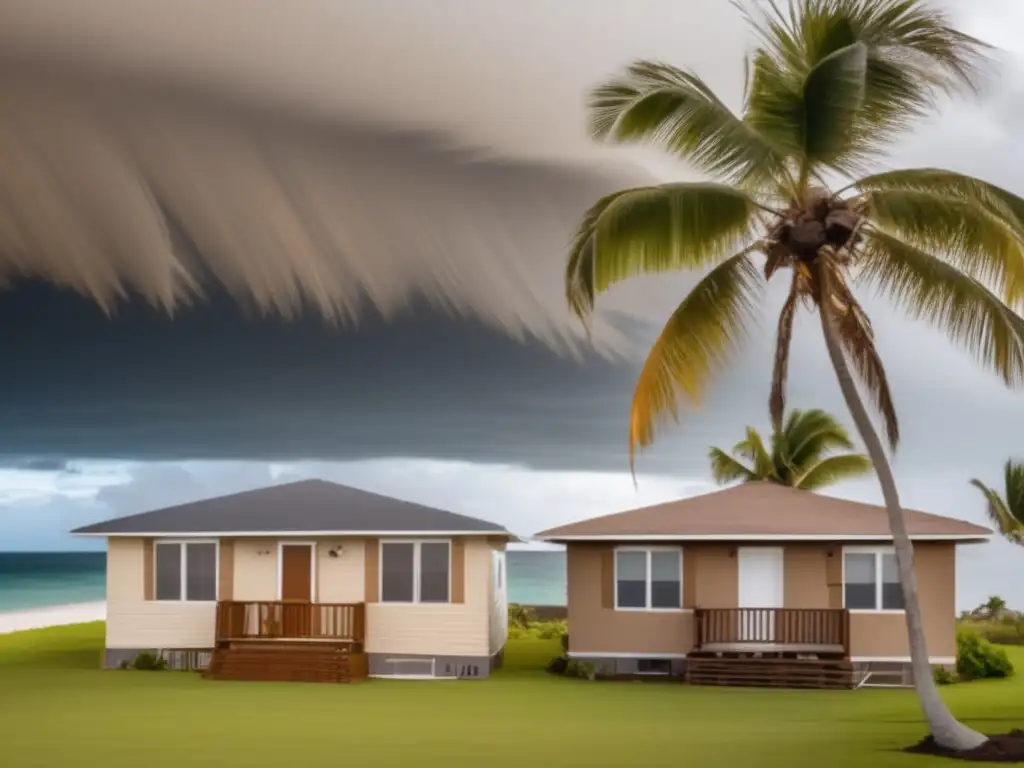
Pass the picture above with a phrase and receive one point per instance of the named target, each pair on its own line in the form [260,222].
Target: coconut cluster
[824,221]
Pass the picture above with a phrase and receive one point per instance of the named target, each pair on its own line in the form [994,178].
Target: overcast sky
[463,409]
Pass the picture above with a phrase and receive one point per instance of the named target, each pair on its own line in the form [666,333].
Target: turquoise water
[41,579]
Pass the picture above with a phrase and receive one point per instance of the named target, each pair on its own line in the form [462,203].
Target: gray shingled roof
[303,507]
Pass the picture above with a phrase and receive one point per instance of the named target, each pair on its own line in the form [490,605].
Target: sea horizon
[51,579]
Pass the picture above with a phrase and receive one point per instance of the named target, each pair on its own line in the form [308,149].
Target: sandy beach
[52,616]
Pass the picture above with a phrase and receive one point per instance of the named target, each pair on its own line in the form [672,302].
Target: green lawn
[57,709]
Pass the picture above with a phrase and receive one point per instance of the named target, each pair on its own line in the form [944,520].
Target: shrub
[565,643]
[581,669]
[551,630]
[558,665]
[521,615]
[150,662]
[978,659]
[943,676]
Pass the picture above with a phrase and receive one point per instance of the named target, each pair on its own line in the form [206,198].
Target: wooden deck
[773,647]
[289,641]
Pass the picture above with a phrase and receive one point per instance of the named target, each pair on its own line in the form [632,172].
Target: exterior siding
[136,623]
[455,630]
[806,575]
[255,569]
[498,621]
[717,578]
[813,579]
[341,579]
[884,635]
[452,629]
[595,629]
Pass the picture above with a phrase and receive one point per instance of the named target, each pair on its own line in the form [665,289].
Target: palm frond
[700,336]
[858,342]
[654,229]
[975,239]
[834,469]
[780,370]
[999,514]
[753,449]
[810,435]
[661,105]
[913,52]
[940,181]
[813,118]
[1014,480]
[725,469]
[927,288]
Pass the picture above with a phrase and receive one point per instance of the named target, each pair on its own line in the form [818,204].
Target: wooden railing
[269,620]
[809,627]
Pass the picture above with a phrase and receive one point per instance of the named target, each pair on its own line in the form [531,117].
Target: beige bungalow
[307,581]
[755,582]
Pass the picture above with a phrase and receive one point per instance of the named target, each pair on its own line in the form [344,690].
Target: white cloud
[27,485]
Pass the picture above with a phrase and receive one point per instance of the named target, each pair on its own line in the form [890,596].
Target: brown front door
[296,572]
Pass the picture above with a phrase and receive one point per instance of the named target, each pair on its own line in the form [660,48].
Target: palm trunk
[946,729]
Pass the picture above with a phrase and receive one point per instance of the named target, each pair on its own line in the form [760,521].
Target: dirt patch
[1000,748]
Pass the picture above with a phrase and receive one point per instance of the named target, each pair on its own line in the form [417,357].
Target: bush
[541,630]
[521,615]
[558,665]
[581,669]
[150,662]
[978,659]
[565,643]
[552,630]
[943,676]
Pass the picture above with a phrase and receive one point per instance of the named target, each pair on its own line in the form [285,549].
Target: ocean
[44,579]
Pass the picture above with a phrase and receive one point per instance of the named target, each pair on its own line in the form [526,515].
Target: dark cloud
[47,464]
[449,264]
[215,383]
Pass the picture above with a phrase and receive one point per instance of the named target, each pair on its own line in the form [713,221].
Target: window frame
[183,554]
[878,553]
[417,571]
[647,550]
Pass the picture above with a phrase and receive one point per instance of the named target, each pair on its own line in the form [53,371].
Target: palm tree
[1007,512]
[829,84]
[993,608]
[798,456]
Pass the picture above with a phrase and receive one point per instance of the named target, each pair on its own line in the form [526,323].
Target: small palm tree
[797,196]
[799,455]
[993,608]
[1007,512]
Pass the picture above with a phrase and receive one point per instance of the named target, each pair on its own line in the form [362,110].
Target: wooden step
[298,664]
[773,673]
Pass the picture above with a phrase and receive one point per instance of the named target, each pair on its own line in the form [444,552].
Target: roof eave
[963,538]
[281,534]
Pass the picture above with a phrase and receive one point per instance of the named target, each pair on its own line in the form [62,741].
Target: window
[414,571]
[649,579]
[871,581]
[653,667]
[185,571]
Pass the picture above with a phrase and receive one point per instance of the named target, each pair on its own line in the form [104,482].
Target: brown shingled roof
[755,510]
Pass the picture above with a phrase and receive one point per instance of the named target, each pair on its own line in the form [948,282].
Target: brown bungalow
[757,584]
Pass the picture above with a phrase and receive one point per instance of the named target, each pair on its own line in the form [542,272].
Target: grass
[57,709]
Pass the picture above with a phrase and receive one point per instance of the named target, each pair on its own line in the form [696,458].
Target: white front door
[761,576]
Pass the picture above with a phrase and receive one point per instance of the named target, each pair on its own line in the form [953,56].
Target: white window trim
[416,571]
[877,552]
[313,586]
[647,551]
[184,568]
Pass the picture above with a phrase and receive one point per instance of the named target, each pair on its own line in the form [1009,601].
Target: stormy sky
[448,140]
